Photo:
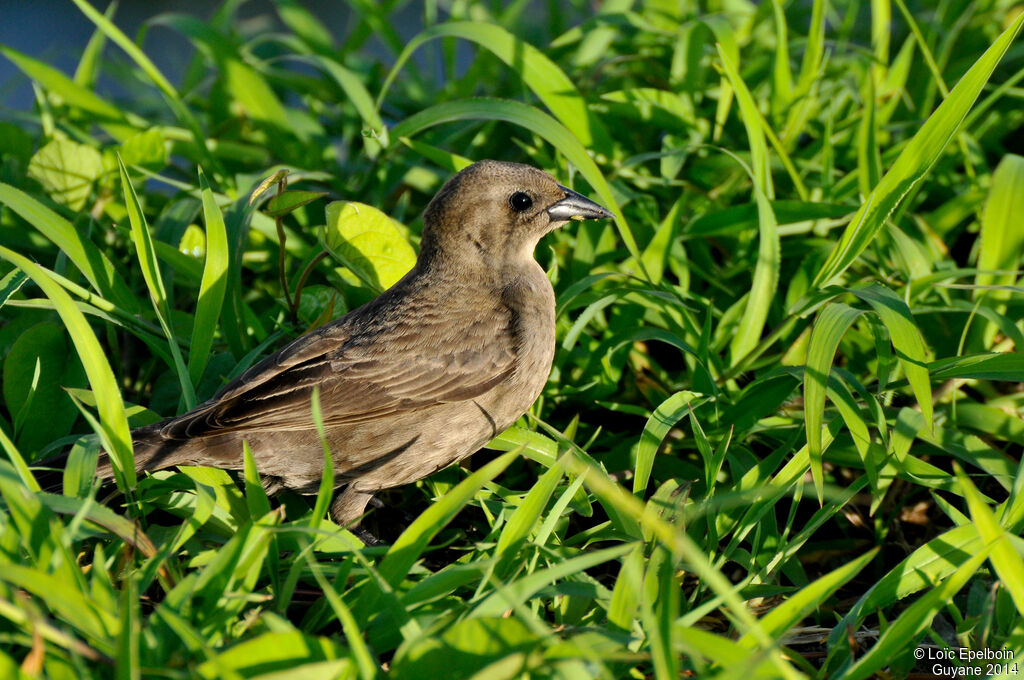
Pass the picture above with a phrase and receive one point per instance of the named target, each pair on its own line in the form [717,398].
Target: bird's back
[411,372]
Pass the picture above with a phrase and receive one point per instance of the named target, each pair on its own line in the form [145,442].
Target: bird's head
[496,212]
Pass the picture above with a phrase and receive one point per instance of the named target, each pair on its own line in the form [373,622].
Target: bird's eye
[520,201]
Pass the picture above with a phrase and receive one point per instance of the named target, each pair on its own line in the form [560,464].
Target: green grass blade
[213,286]
[304,24]
[18,461]
[413,541]
[510,595]
[915,161]
[154,282]
[540,74]
[796,607]
[1007,562]
[360,98]
[1001,239]
[365,662]
[326,490]
[89,260]
[664,418]
[869,157]
[782,74]
[766,270]
[907,340]
[829,329]
[907,629]
[113,420]
[152,72]
[525,517]
[71,92]
[126,653]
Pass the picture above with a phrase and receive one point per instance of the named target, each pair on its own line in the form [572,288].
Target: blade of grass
[539,73]
[915,161]
[766,269]
[89,260]
[915,620]
[906,338]
[798,606]
[153,73]
[413,541]
[113,420]
[213,286]
[154,282]
[664,418]
[832,324]
[1007,562]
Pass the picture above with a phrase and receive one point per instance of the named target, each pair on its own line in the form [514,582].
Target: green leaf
[829,329]
[1001,238]
[250,90]
[375,134]
[464,649]
[915,161]
[290,201]
[766,269]
[274,653]
[64,598]
[1007,367]
[304,24]
[154,281]
[147,149]
[915,619]
[193,242]
[42,410]
[213,286]
[1007,561]
[664,418]
[113,421]
[56,82]
[907,340]
[796,607]
[511,595]
[10,284]
[543,76]
[369,243]
[89,260]
[147,66]
[413,541]
[67,170]
[255,494]
[525,517]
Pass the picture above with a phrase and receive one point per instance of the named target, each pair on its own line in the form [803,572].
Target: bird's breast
[530,302]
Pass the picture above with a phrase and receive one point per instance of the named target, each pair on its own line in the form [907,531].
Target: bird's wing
[359,381]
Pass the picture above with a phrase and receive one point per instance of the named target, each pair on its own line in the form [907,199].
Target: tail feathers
[151,453]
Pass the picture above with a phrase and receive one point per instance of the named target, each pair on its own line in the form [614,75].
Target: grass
[783,432]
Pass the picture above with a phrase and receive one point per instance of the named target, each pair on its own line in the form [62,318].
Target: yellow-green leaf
[67,170]
[369,243]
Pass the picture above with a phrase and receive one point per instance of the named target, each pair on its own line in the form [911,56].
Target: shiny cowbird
[413,381]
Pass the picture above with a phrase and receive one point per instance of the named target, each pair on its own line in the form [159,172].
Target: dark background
[56,32]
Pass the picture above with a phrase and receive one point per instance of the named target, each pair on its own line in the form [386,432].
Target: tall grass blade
[915,161]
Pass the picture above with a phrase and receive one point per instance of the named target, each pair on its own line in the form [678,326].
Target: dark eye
[520,201]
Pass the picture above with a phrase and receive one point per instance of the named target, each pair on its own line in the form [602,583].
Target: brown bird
[413,381]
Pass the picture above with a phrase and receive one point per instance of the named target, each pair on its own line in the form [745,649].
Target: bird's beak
[576,207]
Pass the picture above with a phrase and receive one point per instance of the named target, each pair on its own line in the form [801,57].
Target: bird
[415,380]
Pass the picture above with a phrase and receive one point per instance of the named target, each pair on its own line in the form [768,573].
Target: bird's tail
[151,452]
